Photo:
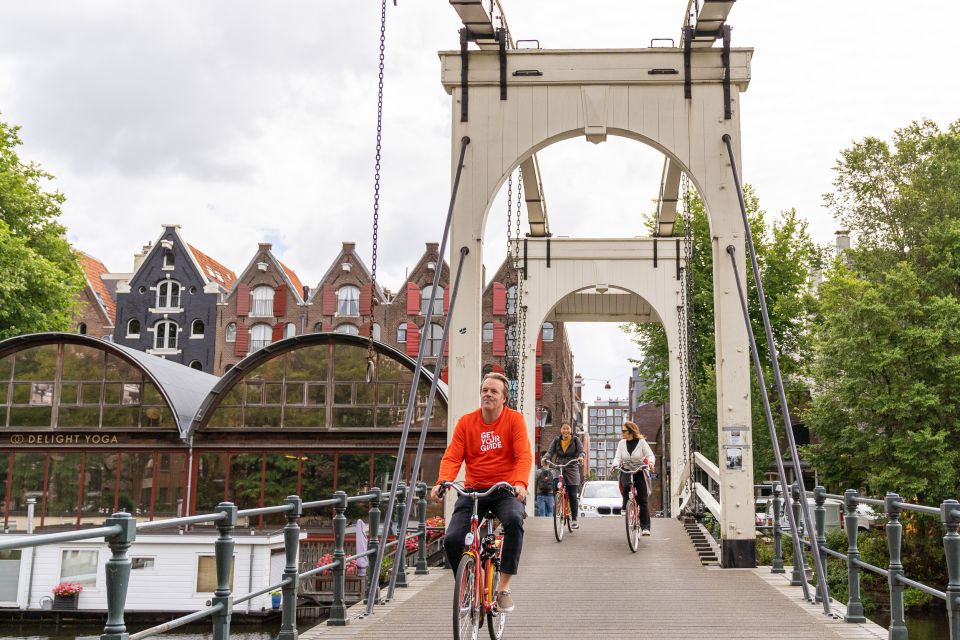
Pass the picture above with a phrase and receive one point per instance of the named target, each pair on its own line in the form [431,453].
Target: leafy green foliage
[41,274]
[887,339]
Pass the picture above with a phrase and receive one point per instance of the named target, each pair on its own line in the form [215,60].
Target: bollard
[338,612]
[400,558]
[291,548]
[117,573]
[820,519]
[373,543]
[223,549]
[898,627]
[422,568]
[797,577]
[951,548]
[777,534]
[854,604]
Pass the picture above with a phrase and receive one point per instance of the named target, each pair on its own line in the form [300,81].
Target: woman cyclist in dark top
[567,447]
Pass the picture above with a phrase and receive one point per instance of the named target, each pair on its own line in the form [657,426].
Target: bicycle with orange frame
[561,502]
[632,513]
[478,574]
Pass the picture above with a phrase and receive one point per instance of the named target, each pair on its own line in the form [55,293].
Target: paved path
[591,586]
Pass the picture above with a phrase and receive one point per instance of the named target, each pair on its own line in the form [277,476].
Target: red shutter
[539,381]
[329,300]
[498,369]
[499,339]
[413,340]
[242,345]
[280,301]
[277,332]
[243,300]
[445,375]
[540,343]
[366,299]
[413,299]
[446,300]
[365,329]
[499,299]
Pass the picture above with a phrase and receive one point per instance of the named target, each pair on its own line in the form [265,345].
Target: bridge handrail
[892,507]
[121,531]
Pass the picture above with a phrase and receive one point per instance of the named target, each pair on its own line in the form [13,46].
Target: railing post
[291,548]
[854,604]
[223,550]
[898,626]
[118,575]
[338,612]
[401,556]
[951,548]
[777,534]
[820,523]
[797,577]
[374,542]
[422,568]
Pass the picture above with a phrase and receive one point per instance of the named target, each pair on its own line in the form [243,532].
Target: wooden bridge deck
[591,586]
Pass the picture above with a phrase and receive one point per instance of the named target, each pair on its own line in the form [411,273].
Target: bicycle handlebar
[561,466]
[643,467]
[473,493]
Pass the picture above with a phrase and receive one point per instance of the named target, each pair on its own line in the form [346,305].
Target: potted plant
[65,596]
[275,598]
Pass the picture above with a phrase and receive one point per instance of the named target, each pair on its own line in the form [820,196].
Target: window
[196,329]
[262,301]
[260,336]
[196,364]
[82,328]
[79,565]
[348,301]
[349,329]
[425,300]
[488,332]
[231,333]
[165,335]
[433,337]
[512,340]
[547,332]
[142,563]
[289,330]
[402,332]
[318,327]
[168,295]
[207,574]
[511,299]
[375,331]
[168,260]
[133,328]
[546,374]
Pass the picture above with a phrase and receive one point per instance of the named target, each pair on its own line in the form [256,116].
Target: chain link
[687,348]
[376,188]
[520,333]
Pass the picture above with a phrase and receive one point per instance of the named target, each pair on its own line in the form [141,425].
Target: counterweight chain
[376,189]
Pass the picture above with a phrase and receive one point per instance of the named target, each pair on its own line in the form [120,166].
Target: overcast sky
[252,121]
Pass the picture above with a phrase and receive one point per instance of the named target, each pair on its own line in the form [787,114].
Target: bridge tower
[512,103]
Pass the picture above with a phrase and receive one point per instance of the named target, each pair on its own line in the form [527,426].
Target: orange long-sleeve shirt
[493,452]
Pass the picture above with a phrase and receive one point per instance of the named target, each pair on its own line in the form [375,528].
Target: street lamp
[579,380]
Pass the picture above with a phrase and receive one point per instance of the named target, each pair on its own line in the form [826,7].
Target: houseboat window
[79,565]
[142,563]
[207,574]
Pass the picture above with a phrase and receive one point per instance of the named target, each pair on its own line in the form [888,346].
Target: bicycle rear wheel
[632,521]
[496,621]
[558,514]
[466,615]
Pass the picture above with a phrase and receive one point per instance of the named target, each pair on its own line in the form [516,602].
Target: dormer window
[168,294]
[348,301]
[262,301]
[168,260]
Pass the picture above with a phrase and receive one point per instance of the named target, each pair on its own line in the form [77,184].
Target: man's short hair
[493,375]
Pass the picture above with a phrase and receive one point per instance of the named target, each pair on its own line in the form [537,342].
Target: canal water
[37,631]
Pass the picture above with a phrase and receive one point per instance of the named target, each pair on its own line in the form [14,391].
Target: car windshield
[601,490]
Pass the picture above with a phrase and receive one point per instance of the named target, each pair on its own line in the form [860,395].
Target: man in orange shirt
[493,443]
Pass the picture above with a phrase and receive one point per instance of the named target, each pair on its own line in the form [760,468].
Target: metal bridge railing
[120,531]
[893,507]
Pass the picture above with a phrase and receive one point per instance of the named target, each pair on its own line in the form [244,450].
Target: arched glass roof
[72,381]
[317,382]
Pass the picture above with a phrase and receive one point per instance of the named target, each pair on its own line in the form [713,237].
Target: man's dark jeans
[509,512]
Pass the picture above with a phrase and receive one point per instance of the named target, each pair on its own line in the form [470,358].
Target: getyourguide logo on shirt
[489,440]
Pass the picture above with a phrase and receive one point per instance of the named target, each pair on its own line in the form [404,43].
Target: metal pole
[854,604]
[291,549]
[400,557]
[820,518]
[777,454]
[775,365]
[338,611]
[117,572]
[373,579]
[777,534]
[422,568]
[426,417]
[799,576]
[950,514]
[898,626]
[223,550]
[398,467]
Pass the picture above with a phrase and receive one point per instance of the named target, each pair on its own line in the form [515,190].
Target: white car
[600,498]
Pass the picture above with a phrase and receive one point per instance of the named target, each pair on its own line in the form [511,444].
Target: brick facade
[96,307]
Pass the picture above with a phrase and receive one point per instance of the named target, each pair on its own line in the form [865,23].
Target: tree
[887,340]
[786,256]
[41,274]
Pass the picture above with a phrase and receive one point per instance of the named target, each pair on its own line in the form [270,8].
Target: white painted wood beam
[667,202]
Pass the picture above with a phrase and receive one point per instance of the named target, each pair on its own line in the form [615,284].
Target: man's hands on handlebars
[438,490]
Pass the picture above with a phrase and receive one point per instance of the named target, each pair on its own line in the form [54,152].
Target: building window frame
[133,328]
[261,301]
[163,331]
[168,294]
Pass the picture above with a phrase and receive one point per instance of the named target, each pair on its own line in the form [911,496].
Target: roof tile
[213,270]
[93,269]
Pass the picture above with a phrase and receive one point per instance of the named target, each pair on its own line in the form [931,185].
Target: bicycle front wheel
[466,615]
[558,514]
[633,526]
[496,621]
